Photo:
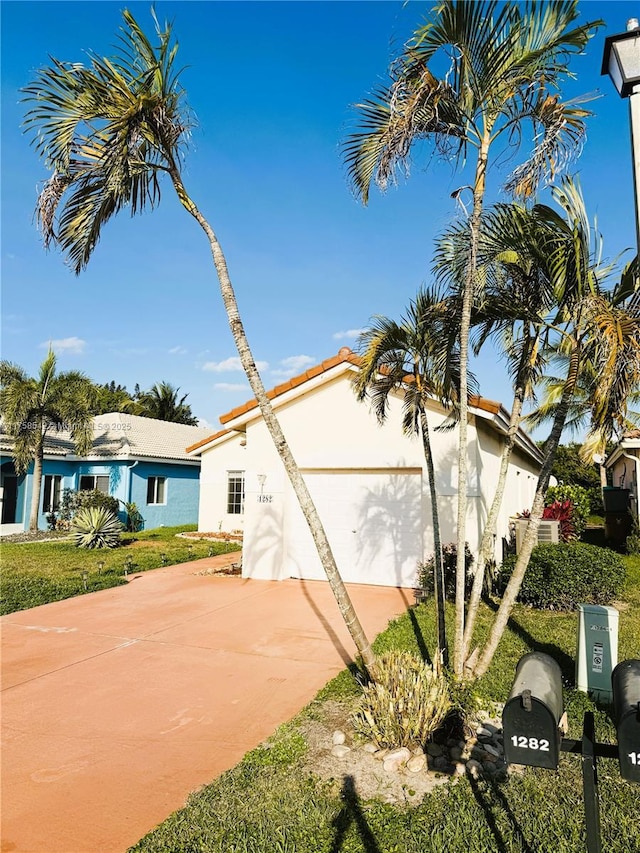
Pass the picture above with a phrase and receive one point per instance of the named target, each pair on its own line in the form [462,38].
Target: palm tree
[161,402]
[32,408]
[592,330]
[506,61]
[517,296]
[412,357]
[109,132]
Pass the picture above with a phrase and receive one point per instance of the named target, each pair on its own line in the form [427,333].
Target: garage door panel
[373,522]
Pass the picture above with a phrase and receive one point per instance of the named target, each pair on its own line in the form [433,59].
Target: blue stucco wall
[127,482]
[182,494]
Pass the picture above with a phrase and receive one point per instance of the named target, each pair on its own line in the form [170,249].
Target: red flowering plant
[561,511]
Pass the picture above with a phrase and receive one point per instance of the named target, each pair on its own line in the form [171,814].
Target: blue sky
[270,84]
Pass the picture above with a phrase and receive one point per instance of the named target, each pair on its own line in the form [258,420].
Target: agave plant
[96,527]
[405,703]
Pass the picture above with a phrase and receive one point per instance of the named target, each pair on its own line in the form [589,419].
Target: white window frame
[235,492]
[98,483]
[51,492]
[157,486]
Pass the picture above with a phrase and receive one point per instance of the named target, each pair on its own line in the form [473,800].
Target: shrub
[580,503]
[72,501]
[560,577]
[96,498]
[404,704]
[135,521]
[449,557]
[96,527]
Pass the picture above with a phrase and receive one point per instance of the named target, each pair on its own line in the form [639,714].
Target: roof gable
[346,360]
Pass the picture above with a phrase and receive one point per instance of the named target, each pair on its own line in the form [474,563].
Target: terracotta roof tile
[345,355]
[206,440]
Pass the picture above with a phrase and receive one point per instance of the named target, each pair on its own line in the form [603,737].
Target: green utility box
[597,652]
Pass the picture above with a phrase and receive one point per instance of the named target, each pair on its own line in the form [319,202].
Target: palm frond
[105,131]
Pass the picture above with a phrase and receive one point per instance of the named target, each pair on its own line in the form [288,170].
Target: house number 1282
[522,742]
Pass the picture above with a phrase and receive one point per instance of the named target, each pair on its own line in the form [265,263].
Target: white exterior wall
[228,455]
[366,480]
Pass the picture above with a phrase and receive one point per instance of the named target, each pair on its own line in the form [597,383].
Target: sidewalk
[116,705]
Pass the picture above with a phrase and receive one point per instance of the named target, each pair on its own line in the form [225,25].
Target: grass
[36,573]
[269,804]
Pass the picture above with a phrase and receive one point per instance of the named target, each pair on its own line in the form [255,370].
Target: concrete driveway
[116,705]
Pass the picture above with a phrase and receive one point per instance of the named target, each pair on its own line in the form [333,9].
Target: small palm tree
[588,327]
[34,407]
[506,61]
[110,132]
[416,357]
[161,402]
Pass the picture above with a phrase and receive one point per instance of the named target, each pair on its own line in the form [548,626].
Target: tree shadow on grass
[483,798]
[351,812]
[422,646]
[565,661]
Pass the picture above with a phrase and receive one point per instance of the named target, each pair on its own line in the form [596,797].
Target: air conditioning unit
[549,531]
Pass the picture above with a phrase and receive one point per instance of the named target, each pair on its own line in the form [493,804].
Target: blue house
[137,460]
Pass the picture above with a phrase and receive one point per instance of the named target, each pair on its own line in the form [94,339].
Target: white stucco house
[623,464]
[368,481]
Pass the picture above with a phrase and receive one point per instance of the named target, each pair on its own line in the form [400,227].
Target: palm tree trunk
[295,477]
[438,567]
[465,325]
[531,536]
[486,545]
[38,457]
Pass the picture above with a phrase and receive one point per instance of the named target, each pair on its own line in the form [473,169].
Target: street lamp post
[621,61]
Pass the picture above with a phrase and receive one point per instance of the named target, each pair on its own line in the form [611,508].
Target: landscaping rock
[434,749]
[396,759]
[340,750]
[338,737]
[474,768]
[370,747]
[416,763]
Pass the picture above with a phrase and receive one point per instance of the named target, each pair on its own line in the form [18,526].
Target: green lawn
[37,573]
[270,804]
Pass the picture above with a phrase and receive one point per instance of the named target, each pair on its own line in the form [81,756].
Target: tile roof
[130,436]
[344,356]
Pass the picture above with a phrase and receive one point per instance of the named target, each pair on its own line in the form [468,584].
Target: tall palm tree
[517,297]
[110,132]
[412,357]
[34,407]
[590,328]
[506,61]
[161,402]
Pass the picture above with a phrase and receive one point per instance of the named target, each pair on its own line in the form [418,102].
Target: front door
[9,494]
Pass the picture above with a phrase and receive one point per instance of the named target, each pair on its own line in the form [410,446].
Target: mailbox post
[531,718]
[532,713]
[625,682]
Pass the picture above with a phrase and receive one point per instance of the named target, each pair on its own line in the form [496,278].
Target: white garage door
[373,521]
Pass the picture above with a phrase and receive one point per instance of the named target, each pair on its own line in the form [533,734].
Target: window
[52,490]
[156,490]
[94,481]
[235,492]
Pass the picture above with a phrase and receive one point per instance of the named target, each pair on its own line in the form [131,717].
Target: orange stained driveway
[116,705]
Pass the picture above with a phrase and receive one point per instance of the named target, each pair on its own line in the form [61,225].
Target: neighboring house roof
[118,435]
[237,418]
[629,441]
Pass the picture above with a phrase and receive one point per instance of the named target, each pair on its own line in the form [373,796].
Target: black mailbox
[532,713]
[625,683]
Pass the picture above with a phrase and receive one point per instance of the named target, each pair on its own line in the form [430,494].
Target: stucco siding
[180,499]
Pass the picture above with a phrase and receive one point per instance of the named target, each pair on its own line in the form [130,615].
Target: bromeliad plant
[96,527]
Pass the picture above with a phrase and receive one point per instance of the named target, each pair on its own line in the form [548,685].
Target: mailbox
[532,713]
[625,682]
